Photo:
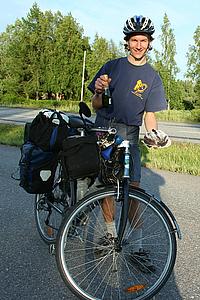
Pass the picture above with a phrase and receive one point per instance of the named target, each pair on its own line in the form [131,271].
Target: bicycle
[112,270]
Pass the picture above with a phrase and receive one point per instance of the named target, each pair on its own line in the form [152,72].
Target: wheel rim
[47,229]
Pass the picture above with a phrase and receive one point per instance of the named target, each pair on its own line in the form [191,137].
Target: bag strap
[57,114]
[28,154]
[53,137]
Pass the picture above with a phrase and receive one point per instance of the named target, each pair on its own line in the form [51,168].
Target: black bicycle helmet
[138,24]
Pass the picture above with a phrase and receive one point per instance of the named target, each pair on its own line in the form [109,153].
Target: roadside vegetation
[192,116]
[39,62]
[180,115]
[42,68]
[180,157]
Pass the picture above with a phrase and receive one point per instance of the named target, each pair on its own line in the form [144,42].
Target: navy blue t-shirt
[134,90]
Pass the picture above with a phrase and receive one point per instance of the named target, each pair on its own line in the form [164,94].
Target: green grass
[180,157]
[65,105]
[11,134]
[179,115]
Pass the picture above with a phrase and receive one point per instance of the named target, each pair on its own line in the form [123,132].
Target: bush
[188,105]
[196,114]
[179,115]
[10,100]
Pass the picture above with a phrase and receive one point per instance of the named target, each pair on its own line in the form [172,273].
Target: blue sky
[107,17]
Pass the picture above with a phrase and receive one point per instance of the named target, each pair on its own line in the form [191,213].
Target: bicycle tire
[113,276]
[48,232]
[47,218]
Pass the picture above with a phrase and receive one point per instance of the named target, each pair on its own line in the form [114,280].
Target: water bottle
[126,160]
[106,97]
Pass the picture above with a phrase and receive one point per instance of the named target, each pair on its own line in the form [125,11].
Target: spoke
[138,218]
[95,267]
[106,274]
[88,263]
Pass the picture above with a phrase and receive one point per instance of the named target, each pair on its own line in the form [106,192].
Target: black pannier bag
[48,130]
[81,156]
[37,169]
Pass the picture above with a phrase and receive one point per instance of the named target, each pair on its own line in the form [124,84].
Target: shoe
[105,244]
[142,260]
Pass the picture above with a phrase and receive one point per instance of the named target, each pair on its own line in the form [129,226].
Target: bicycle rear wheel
[49,209]
[48,220]
[114,274]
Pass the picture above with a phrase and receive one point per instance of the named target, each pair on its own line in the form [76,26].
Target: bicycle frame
[125,205]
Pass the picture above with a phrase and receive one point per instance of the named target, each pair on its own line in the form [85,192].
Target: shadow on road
[152,183]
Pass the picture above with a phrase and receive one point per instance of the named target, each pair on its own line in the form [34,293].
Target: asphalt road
[177,131]
[29,272]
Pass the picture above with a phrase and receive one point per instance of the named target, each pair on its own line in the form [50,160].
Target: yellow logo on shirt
[139,88]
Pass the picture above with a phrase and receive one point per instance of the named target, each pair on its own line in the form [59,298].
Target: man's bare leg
[133,213]
[135,220]
[108,207]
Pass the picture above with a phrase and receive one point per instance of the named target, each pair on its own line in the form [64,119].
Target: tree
[193,64]
[42,53]
[35,47]
[101,51]
[68,53]
[12,59]
[23,55]
[165,62]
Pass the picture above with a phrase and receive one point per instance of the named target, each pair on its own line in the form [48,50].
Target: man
[136,92]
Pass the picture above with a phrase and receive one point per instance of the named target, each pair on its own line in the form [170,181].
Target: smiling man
[136,90]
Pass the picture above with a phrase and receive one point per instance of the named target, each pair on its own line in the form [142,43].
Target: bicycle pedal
[52,249]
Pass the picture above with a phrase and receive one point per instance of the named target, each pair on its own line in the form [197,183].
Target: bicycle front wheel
[94,268]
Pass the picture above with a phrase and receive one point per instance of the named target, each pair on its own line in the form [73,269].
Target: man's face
[138,45]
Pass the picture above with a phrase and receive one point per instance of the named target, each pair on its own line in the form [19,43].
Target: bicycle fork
[125,197]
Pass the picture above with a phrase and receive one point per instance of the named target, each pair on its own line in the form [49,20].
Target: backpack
[47,130]
[37,169]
